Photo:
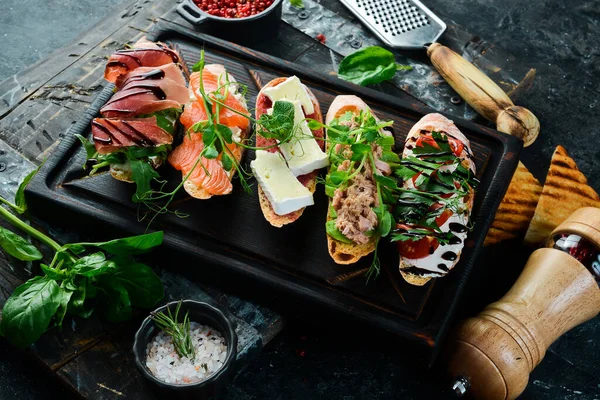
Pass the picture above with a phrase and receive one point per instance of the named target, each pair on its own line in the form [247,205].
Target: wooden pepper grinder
[492,355]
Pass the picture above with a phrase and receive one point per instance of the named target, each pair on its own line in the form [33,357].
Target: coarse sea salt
[166,365]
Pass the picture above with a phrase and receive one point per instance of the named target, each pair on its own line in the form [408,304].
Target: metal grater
[404,24]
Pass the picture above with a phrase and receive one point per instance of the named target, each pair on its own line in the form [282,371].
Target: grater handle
[483,94]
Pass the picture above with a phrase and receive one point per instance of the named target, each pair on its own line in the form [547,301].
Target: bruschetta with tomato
[433,209]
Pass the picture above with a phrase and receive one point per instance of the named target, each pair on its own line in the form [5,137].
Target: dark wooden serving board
[231,233]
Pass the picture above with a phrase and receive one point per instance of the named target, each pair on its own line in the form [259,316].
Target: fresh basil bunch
[80,278]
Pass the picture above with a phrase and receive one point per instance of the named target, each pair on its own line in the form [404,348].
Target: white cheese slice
[291,89]
[302,152]
[281,187]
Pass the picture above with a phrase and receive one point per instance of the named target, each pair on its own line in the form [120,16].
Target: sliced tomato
[418,249]
[456,145]
[441,220]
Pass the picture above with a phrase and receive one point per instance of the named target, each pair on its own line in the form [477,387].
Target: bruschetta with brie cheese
[287,171]
[433,209]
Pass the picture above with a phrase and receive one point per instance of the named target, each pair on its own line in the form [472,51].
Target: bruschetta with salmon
[433,210]
[208,175]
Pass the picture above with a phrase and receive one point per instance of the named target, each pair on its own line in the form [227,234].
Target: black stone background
[313,358]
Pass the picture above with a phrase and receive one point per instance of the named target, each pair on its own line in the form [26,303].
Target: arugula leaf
[142,174]
[28,311]
[368,66]
[165,119]
[17,246]
[90,149]
[385,181]
[335,233]
[20,195]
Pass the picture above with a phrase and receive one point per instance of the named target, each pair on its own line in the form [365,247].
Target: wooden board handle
[484,95]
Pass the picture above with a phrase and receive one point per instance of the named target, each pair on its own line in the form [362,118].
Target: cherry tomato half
[418,249]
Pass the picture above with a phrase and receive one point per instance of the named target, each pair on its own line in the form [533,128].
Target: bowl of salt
[186,349]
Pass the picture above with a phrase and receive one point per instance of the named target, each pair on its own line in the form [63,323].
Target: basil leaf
[142,174]
[93,265]
[144,287]
[29,310]
[17,246]
[117,304]
[52,273]
[61,311]
[80,288]
[334,232]
[368,66]
[130,245]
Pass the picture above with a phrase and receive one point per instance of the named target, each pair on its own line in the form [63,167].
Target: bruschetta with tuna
[433,210]
[361,157]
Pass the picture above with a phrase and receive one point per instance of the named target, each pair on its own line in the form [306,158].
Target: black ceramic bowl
[201,313]
[254,25]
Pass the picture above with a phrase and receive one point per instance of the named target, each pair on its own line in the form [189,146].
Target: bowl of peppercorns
[232,18]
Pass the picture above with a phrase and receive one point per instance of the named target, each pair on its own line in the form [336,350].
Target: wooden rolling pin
[491,356]
[484,95]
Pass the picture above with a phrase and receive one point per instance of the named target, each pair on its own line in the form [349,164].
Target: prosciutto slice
[150,74]
[145,97]
[143,54]
[112,134]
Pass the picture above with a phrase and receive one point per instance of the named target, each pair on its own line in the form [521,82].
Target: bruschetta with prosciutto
[433,210]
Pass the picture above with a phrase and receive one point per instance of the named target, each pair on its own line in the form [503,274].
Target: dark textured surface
[321,359]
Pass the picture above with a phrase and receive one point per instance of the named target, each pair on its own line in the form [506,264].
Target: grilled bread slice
[517,207]
[565,191]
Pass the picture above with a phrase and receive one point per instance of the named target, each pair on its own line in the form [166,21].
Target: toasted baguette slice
[311,182]
[340,252]
[565,191]
[439,123]
[517,207]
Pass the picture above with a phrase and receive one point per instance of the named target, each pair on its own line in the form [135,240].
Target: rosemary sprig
[180,332]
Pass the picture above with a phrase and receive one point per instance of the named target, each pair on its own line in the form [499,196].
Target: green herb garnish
[179,331]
